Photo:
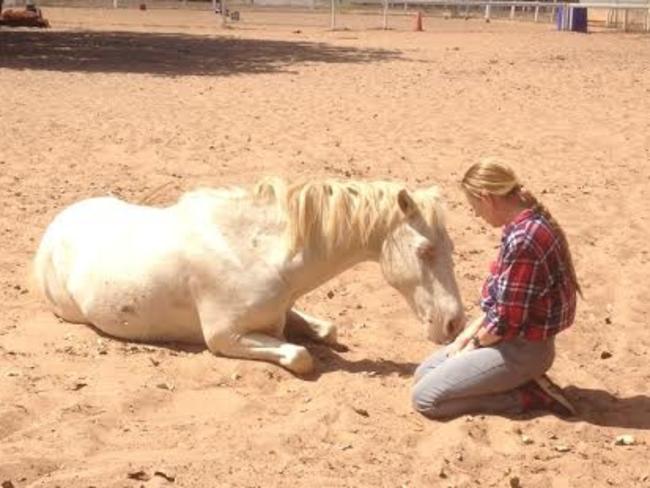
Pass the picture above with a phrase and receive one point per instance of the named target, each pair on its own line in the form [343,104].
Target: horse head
[416,259]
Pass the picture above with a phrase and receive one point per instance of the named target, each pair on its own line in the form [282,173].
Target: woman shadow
[600,407]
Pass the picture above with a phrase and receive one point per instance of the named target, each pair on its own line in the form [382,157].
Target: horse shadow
[326,356]
[329,360]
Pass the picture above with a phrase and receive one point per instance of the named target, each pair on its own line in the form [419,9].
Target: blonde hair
[489,177]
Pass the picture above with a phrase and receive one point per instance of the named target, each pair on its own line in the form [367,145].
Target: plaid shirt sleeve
[516,279]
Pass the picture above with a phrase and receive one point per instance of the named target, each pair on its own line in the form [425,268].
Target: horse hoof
[298,360]
[328,335]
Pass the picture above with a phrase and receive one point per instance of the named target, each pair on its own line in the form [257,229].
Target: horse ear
[406,203]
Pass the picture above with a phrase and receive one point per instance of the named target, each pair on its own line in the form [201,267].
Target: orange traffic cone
[417,25]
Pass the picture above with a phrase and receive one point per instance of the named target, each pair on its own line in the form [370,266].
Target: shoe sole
[555,392]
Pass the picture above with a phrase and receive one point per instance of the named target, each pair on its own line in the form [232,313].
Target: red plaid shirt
[529,292]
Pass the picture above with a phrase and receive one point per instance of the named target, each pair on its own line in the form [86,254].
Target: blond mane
[331,215]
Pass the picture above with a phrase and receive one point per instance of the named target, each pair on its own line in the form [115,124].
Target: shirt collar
[519,218]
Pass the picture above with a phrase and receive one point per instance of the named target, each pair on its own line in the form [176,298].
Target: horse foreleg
[263,347]
[303,324]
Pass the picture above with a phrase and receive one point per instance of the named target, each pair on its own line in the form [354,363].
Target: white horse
[223,267]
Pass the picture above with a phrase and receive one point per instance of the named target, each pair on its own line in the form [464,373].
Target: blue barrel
[579,19]
[571,18]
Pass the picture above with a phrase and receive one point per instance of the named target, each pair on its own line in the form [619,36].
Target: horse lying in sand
[223,267]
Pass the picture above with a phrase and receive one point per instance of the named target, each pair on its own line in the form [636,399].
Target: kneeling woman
[498,363]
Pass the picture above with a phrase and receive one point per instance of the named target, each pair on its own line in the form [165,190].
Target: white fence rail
[613,8]
[616,14]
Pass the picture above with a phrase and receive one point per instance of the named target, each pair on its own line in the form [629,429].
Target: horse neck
[306,271]
[323,249]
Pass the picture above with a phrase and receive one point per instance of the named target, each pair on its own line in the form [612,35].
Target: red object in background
[417,25]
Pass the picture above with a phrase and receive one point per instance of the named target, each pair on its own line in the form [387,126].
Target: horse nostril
[453,327]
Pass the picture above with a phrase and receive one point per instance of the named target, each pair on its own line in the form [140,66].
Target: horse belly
[142,311]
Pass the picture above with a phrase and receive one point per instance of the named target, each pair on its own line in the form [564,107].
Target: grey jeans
[482,380]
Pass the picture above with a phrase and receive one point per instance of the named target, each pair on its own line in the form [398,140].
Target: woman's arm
[473,337]
[466,335]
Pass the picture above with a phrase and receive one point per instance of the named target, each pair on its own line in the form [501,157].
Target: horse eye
[426,253]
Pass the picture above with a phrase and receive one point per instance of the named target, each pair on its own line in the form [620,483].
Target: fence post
[536,13]
[566,17]
[554,10]
[512,12]
[488,7]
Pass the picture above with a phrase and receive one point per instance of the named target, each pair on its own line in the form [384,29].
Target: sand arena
[126,101]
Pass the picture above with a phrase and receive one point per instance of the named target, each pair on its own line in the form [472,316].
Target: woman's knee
[425,400]
[430,363]
[420,371]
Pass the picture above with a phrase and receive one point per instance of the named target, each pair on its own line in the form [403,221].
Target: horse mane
[329,215]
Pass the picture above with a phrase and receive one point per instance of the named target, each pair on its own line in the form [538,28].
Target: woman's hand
[458,345]
[463,340]
[470,346]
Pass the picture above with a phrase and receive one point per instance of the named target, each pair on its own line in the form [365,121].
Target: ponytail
[529,200]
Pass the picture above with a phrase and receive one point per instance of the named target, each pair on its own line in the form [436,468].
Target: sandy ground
[126,101]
